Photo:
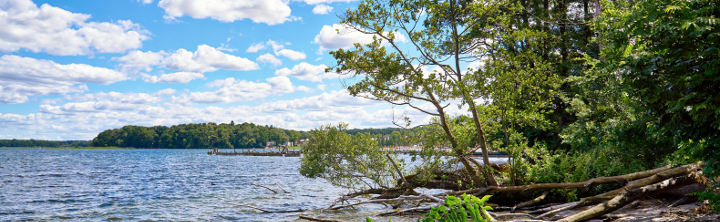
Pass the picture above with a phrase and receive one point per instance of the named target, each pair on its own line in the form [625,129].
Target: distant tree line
[200,135]
[43,143]
[224,135]
[390,136]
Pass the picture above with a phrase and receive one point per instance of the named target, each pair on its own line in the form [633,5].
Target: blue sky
[70,69]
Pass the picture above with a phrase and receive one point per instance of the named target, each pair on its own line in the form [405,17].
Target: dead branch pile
[632,187]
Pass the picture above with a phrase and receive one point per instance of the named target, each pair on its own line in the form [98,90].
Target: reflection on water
[57,184]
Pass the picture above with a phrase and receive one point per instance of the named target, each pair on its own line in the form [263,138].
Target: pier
[258,152]
[296,153]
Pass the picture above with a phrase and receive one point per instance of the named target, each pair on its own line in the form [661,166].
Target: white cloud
[23,77]
[204,59]
[275,45]
[56,31]
[165,92]
[291,54]
[207,59]
[176,77]
[306,71]
[255,47]
[84,116]
[269,58]
[304,89]
[322,9]
[312,2]
[234,90]
[140,61]
[340,36]
[270,12]
[146,1]
[278,49]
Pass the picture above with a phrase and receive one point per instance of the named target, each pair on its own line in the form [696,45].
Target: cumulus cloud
[176,77]
[103,101]
[306,71]
[84,116]
[140,61]
[340,36]
[207,59]
[204,59]
[278,49]
[291,54]
[312,2]
[304,89]
[269,58]
[235,90]
[255,47]
[56,31]
[271,12]
[322,9]
[23,77]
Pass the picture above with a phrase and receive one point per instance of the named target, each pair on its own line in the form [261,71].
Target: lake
[139,184]
[158,184]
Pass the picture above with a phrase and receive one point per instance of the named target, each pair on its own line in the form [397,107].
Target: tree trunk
[626,197]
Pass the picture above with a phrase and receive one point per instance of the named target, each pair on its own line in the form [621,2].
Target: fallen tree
[633,186]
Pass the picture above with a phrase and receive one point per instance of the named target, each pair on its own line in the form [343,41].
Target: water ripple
[137,185]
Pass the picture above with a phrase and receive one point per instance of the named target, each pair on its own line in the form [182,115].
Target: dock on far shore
[284,151]
[258,152]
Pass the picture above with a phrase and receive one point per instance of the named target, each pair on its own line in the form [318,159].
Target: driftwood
[530,202]
[639,182]
[318,219]
[622,179]
[407,210]
[633,186]
[281,187]
[269,211]
[377,201]
[258,185]
[627,197]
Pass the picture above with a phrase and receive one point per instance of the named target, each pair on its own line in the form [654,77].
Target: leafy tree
[663,55]
[351,161]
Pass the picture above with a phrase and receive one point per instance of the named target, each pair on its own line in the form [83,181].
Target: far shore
[74,148]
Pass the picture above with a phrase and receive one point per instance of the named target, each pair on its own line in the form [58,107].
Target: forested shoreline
[43,143]
[208,135]
[223,135]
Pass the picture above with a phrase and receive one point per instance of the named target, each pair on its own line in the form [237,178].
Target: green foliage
[664,57]
[581,165]
[353,161]
[203,135]
[43,143]
[458,210]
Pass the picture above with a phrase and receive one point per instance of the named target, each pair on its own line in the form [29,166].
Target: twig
[497,216]
[397,169]
[318,219]
[268,211]
[402,211]
[530,202]
[553,207]
[432,198]
[401,198]
[264,187]
[281,187]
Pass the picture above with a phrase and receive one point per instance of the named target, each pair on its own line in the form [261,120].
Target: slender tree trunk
[490,179]
[453,142]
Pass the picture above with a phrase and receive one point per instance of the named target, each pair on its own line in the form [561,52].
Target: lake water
[141,184]
[134,184]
